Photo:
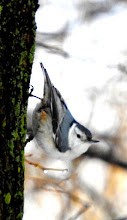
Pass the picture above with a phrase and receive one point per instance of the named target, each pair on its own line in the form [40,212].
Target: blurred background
[83,46]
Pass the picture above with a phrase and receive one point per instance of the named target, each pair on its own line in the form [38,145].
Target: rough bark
[16,54]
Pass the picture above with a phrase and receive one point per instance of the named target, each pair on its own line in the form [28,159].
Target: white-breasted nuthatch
[54,128]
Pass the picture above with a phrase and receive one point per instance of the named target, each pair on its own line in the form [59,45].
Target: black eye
[78,136]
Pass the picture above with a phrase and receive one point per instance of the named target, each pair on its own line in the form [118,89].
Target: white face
[81,136]
[77,141]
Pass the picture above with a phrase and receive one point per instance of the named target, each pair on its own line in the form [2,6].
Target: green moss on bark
[16,52]
[7,198]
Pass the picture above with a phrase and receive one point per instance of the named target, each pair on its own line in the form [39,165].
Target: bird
[55,130]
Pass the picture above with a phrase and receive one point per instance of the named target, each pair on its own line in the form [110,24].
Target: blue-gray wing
[63,131]
[61,117]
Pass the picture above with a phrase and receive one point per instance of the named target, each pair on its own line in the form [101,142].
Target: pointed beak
[94,141]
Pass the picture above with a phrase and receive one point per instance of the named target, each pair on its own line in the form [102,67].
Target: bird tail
[55,100]
[47,86]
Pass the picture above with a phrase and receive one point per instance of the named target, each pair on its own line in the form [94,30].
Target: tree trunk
[16,53]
